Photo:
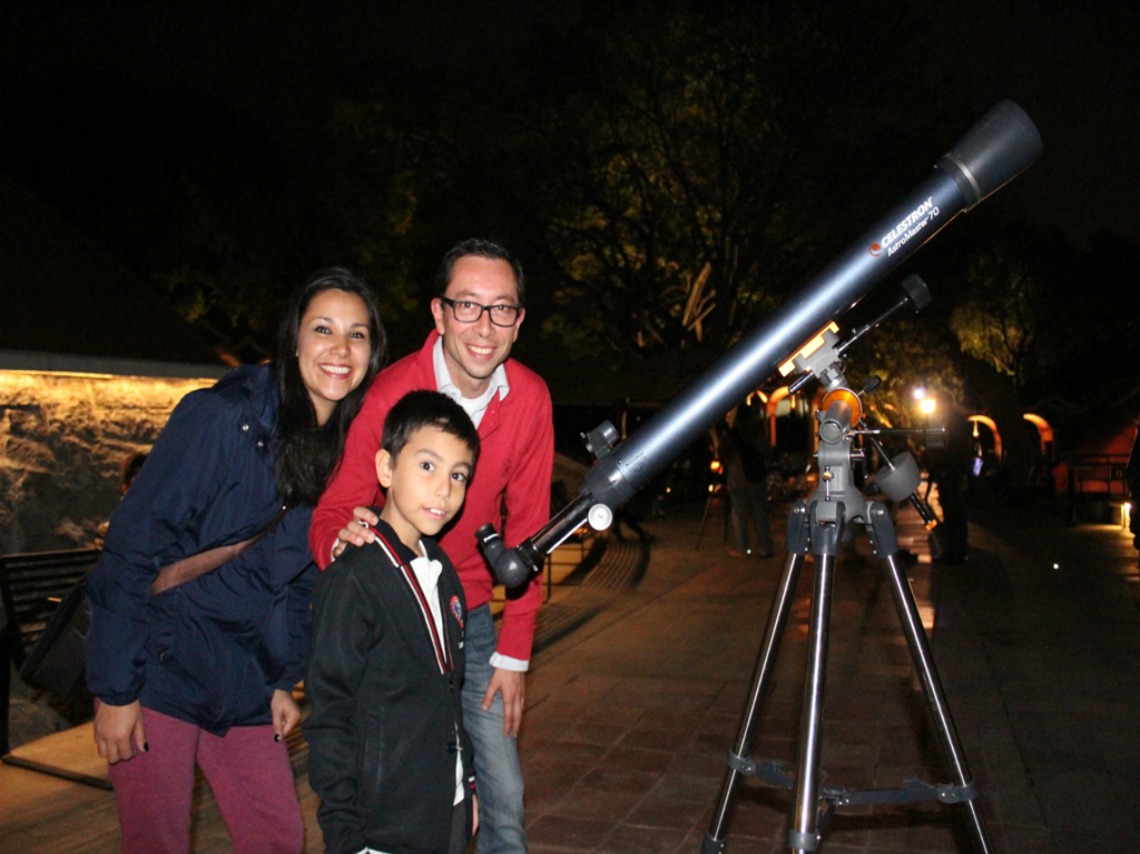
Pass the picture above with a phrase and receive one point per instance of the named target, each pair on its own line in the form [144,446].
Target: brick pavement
[632,710]
[630,718]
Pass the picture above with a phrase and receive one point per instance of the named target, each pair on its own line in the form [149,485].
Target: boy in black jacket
[389,757]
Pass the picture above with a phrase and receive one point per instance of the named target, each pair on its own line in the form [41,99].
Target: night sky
[1073,67]
[96,95]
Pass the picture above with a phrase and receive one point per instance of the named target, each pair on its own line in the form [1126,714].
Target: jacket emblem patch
[456,608]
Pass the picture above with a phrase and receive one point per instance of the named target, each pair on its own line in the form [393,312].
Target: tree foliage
[674,194]
[1045,314]
[906,355]
[244,243]
[999,322]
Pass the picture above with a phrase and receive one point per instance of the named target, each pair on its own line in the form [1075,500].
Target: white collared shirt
[473,406]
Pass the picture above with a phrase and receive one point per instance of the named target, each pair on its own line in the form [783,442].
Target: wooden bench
[32,585]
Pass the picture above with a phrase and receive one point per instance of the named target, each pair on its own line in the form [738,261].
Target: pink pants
[247,770]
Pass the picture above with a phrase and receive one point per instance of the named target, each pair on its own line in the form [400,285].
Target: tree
[1045,314]
[672,192]
[345,193]
[998,322]
[905,355]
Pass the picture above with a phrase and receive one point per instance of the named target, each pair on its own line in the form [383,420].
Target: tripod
[820,527]
[705,516]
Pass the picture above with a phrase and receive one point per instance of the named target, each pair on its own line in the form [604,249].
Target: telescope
[1002,144]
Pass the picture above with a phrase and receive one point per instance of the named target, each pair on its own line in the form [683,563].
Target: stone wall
[63,439]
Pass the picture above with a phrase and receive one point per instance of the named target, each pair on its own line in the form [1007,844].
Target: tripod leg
[804,836]
[761,677]
[825,538]
[704,521]
[886,545]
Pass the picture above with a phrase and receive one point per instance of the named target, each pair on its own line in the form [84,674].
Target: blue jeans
[498,777]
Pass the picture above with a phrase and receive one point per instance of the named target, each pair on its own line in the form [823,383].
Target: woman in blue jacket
[201,673]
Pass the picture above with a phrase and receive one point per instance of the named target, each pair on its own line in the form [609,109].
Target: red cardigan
[516,461]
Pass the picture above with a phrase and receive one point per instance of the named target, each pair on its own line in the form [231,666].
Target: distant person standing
[746,455]
[1132,475]
[950,472]
[127,471]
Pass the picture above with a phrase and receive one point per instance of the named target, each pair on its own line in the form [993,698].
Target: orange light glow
[846,397]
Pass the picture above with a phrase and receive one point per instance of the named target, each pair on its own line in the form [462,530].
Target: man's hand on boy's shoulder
[358,532]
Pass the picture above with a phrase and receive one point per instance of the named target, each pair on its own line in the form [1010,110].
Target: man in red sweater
[478,309]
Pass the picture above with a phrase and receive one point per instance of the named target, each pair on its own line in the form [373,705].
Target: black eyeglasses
[469,312]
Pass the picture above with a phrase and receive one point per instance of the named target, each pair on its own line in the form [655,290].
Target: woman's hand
[119,731]
[285,712]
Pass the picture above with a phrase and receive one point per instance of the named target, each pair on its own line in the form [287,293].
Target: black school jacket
[382,732]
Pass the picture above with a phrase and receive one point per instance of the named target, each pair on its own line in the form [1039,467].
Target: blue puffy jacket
[209,651]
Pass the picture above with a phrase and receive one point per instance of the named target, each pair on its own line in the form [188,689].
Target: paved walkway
[636,695]
[1036,639]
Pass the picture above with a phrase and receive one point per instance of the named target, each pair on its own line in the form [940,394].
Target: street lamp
[926,403]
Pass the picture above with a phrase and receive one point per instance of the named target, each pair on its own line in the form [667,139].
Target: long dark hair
[308,452]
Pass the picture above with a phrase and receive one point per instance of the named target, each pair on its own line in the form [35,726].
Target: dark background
[222,151]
